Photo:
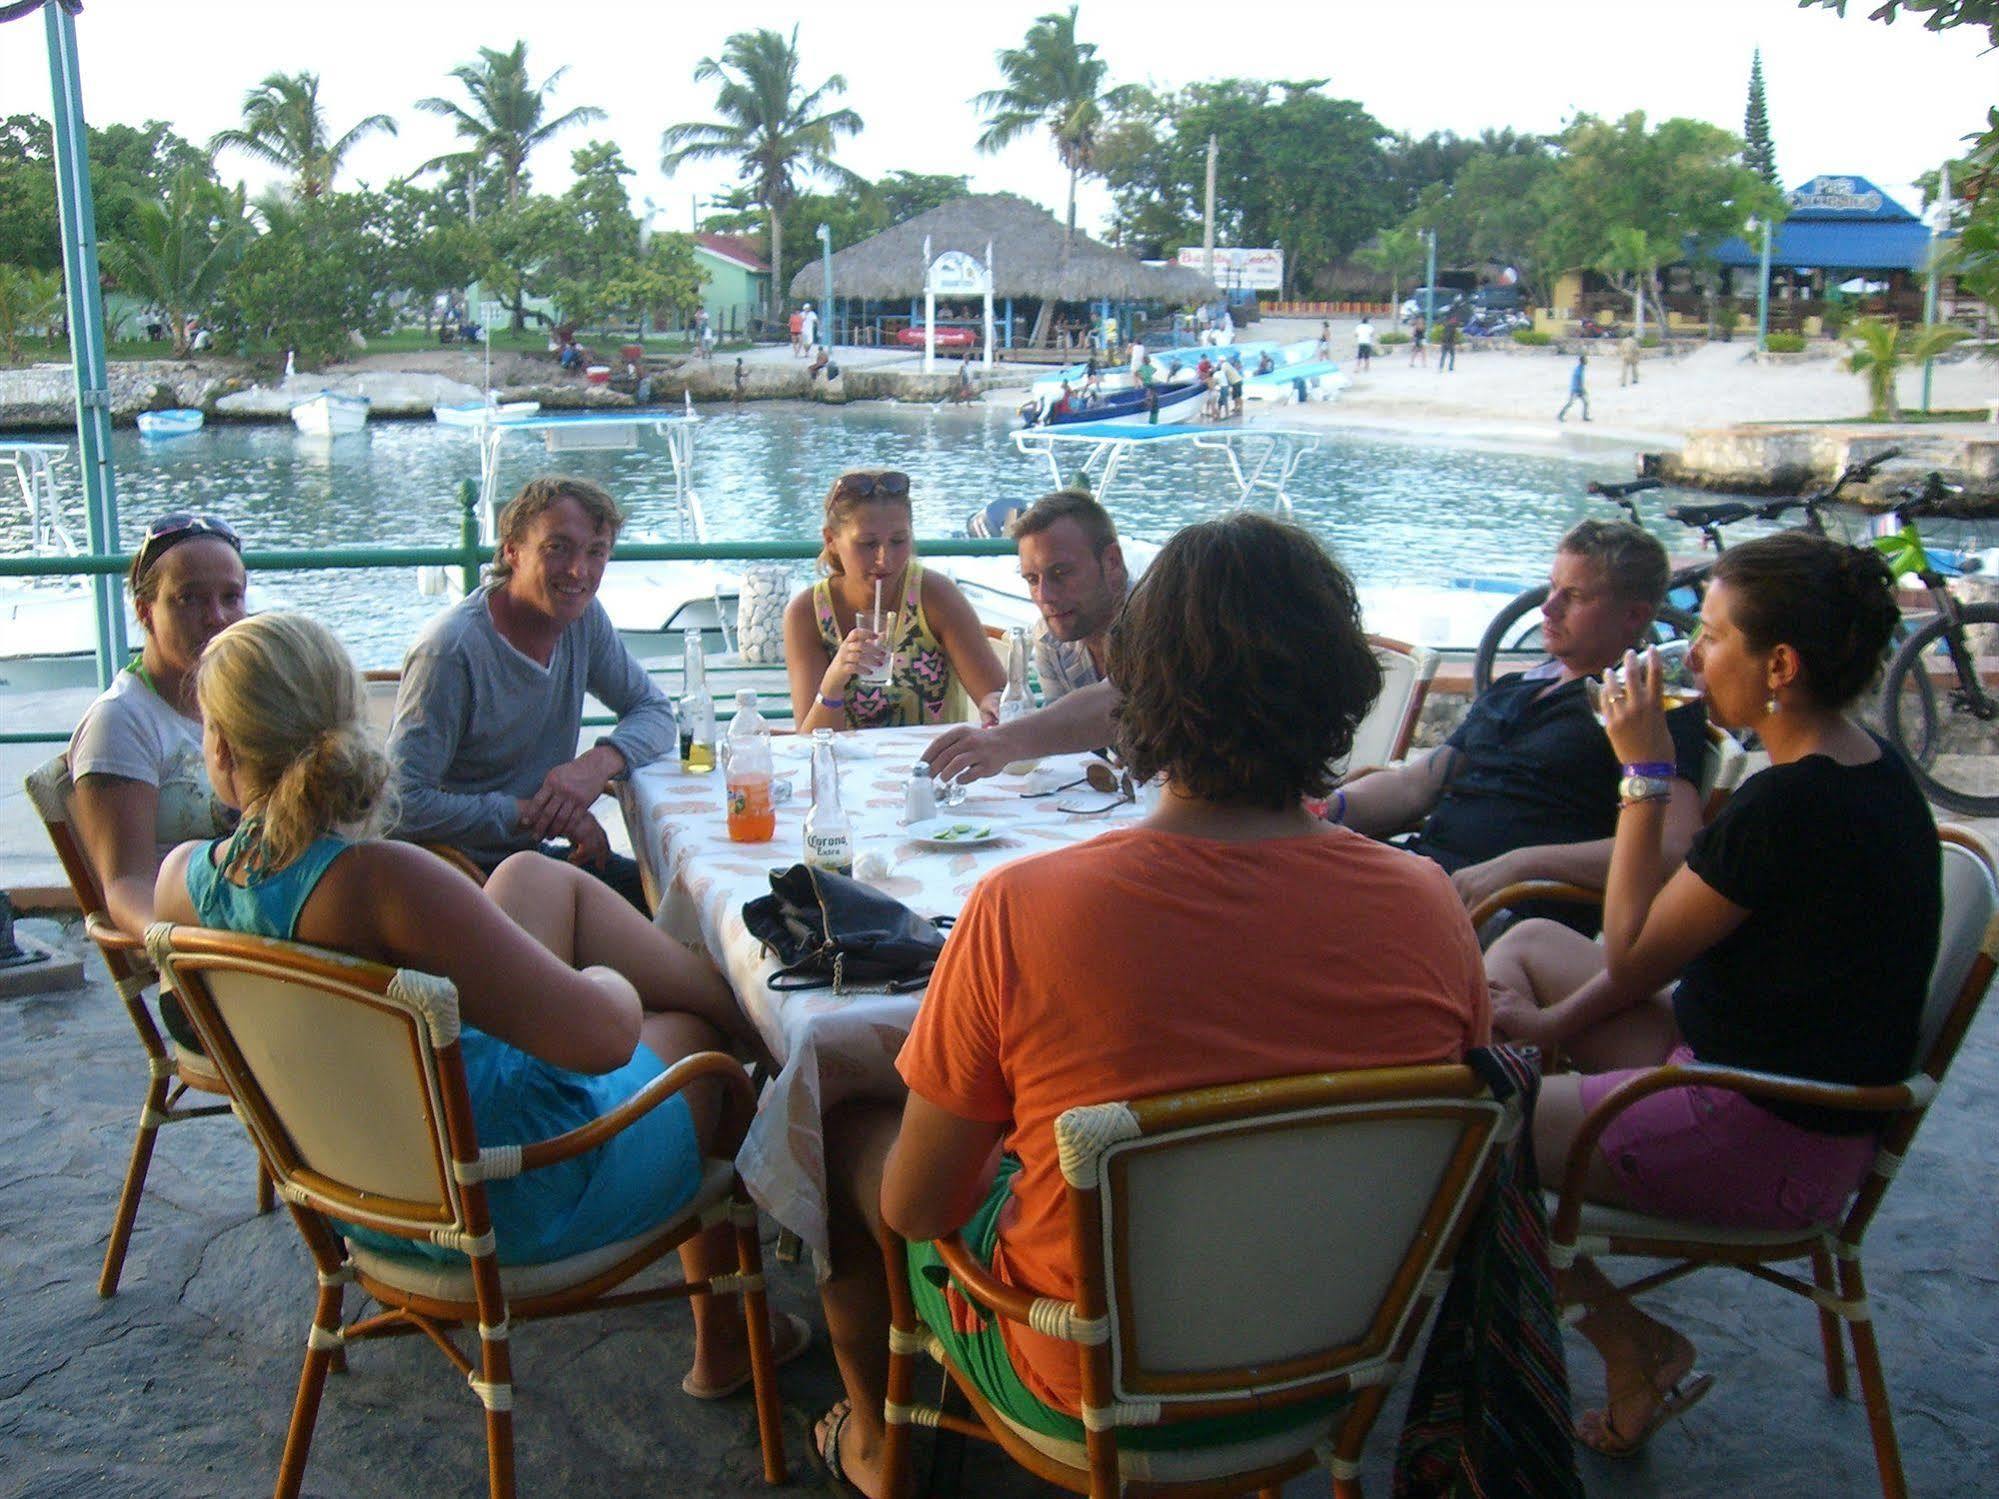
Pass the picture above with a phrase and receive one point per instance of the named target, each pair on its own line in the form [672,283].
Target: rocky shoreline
[1769,458]
[42,397]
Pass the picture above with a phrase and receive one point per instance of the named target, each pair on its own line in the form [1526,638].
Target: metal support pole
[86,330]
[1939,225]
[1763,294]
[826,285]
[1430,283]
[468,534]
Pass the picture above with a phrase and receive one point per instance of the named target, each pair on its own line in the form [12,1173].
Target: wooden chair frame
[1838,1286]
[457,1216]
[171,1074]
[1116,1392]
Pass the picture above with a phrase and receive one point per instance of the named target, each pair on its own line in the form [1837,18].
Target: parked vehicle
[1447,300]
[1499,299]
[1591,328]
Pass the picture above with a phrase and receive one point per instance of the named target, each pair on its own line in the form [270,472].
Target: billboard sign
[1251,269]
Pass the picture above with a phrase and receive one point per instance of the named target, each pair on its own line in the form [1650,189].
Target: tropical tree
[178,250]
[770,124]
[284,125]
[1882,349]
[506,120]
[1052,81]
[1395,253]
[28,299]
[1631,261]
[1759,153]
[314,278]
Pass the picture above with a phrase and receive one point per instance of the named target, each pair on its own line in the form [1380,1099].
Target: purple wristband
[1655,768]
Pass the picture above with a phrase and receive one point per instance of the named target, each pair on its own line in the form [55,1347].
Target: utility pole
[1430,282]
[1939,223]
[1763,294]
[1208,222]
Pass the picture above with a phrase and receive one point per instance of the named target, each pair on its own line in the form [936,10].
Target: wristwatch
[1643,789]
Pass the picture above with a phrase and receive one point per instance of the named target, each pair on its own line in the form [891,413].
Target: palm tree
[28,299]
[504,124]
[1882,348]
[283,125]
[774,128]
[179,251]
[1055,81]
[1394,254]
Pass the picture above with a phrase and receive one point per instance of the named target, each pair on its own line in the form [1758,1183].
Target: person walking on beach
[1577,392]
[808,329]
[1418,354]
[1325,348]
[1363,343]
[1447,347]
[798,335]
[742,380]
[1627,351]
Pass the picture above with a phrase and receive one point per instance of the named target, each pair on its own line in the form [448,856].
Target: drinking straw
[878,600]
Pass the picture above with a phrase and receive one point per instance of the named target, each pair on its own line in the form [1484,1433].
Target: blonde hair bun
[284,694]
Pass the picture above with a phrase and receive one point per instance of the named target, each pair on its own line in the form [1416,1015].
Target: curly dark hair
[1833,604]
[1242,664]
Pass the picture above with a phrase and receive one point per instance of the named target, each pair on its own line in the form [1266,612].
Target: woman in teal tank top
[570,1001]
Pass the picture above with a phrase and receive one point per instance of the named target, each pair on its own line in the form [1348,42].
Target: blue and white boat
[176,421]
[485,413]
[1137,407]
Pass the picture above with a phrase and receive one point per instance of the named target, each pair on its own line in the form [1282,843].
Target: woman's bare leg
[855,1296]
[1551,962]
[585,922]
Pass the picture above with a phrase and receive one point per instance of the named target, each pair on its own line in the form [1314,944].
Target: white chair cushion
[1624,1224]
[1184,1464]
[453,1282]
[196,1070]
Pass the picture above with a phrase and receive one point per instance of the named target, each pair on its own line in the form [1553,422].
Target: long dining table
[833,1047]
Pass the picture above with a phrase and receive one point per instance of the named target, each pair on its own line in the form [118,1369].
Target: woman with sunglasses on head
[937,640]
[135,757]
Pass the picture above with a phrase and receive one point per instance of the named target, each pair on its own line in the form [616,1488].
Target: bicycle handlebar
[1624,490]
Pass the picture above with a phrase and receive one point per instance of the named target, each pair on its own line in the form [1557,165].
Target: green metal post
[468,533]
[86,329]
[1430,283]
[1939,222]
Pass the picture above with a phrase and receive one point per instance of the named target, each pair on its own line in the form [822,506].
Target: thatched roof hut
[1027,259]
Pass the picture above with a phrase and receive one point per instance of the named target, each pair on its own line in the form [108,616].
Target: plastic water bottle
[697,708]
[829,836]
[751,818]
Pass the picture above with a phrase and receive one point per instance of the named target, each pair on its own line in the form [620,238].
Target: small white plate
[934,831]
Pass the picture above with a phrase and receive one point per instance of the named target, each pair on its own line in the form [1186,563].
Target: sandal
[1596,1432]
[826,1447]
[781,1353]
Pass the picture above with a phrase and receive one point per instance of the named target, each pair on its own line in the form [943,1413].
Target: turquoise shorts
[983,1355]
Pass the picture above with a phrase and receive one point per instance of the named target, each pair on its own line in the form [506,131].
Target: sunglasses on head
[865,486]
[169,531]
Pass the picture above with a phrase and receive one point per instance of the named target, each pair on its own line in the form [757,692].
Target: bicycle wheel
[1516,631]
[1934,723]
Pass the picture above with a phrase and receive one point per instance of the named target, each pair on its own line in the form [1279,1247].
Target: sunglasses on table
[169,531]
[866,486]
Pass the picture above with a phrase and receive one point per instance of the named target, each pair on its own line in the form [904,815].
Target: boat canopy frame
[1261,460]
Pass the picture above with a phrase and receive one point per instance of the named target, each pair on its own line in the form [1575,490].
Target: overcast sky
[1846,95]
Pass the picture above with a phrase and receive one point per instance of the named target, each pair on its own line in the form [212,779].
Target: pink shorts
[1712,1156]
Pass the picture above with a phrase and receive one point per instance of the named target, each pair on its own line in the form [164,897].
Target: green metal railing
[468,556]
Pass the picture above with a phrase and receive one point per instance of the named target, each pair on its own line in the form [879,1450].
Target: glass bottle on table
[751,817]
[1014,702]
[697,708]
[829,836]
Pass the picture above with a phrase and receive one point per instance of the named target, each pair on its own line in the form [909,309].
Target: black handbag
[828,929]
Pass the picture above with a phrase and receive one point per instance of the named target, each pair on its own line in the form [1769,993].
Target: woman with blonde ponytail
[572,1001]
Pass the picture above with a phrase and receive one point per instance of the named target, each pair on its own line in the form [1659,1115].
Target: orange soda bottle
[752,819]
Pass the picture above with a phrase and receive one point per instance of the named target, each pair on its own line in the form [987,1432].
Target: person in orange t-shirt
[1231,936]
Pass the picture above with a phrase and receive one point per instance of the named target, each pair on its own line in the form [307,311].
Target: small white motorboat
[331,413]
[177,421]
[483,413]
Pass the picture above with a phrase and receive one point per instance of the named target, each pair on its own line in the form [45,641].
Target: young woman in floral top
[937,640]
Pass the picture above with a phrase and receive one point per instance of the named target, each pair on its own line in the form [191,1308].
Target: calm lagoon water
[1394,511]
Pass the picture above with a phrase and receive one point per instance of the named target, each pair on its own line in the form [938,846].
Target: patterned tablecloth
[829,1047]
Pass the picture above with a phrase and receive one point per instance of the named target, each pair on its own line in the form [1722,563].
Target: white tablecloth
[829,1047]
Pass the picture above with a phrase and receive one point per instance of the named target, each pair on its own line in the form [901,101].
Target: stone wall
[1771,459]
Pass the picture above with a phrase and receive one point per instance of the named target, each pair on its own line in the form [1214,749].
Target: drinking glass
[1678,685]
[879,623]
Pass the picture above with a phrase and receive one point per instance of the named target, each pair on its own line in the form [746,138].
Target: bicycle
[1931,729]
[1514,629]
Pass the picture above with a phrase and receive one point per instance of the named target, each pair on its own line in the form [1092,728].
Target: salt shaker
[919,797]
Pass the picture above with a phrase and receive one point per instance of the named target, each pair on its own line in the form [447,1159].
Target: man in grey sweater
[491,704]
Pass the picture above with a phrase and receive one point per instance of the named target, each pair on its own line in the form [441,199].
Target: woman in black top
[1802,931]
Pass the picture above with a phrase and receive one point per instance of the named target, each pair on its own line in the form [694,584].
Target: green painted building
[735,285]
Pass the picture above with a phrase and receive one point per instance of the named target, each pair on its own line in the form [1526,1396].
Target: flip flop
[826,1448]
[1596,1432]
[781,1354]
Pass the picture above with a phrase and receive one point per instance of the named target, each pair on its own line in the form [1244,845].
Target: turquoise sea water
[1394,511]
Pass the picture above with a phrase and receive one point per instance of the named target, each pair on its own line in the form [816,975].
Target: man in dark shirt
[1527,786]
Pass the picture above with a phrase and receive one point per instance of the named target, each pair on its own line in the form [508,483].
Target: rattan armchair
[349,1079]
[172,1072]
[1965,962]
[1237,1248]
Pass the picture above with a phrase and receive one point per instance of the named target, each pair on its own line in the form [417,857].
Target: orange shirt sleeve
[952,1055]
